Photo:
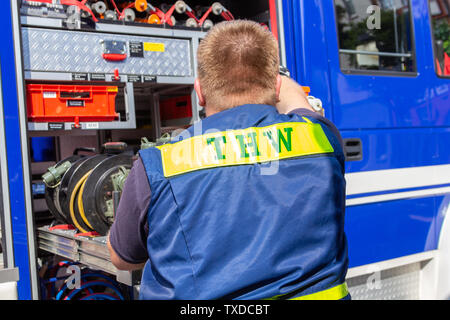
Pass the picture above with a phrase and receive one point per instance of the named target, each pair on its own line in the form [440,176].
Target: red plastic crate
[176,108]
[68,103]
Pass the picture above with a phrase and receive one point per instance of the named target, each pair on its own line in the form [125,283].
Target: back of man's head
[238,64]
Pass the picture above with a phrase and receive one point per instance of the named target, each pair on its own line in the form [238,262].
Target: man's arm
[127,238]
[293,100]
[121,264]
[292,97]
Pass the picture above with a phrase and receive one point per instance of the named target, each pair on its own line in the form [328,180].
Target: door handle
[353,149]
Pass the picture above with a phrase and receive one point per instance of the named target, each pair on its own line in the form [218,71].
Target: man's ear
[278,87]
[198,90]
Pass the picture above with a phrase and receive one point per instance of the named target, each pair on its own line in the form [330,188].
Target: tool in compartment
[81,5]
[88,190]
[83,191]
[99,7]
[204,22]
[156,15]
[52,179]
[43,9]
[217,9]
[110,15]
[130,11]
[71,187]
[183,8]
[99,191]
[56,6]
[127,13]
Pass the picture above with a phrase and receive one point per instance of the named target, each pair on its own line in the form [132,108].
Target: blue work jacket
[247,204]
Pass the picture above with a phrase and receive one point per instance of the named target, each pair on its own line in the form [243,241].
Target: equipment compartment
[190,14]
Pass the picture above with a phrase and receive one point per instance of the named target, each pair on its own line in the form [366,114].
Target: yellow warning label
[154,47]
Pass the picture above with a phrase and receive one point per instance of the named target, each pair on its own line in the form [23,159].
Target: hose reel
[84,191]
[101,192]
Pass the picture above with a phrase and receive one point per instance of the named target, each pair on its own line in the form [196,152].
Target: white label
[92,125]
[49,95]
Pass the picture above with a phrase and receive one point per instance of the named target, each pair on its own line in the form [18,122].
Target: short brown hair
[238,63]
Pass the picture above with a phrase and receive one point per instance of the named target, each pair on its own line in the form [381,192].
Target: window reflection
[375,35]
[440,21]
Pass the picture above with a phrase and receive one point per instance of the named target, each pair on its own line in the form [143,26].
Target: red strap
[77,122]
[168,15]
[190,14]
[116,74]
[62,227]
[205,16]
[80,5]
[115,7]
[114,56]
[122,14]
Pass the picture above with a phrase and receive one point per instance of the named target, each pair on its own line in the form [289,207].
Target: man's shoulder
[311,114]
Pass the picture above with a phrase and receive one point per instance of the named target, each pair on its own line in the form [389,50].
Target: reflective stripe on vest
[335,293]
[245,146]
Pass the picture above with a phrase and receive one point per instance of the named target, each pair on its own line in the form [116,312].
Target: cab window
[375,36]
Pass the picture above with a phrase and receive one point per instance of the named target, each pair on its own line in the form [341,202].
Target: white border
[397,179]
[397,196]
[394,179]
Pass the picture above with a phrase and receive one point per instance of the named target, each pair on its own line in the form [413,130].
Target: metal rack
[92,251]
[86,250]
[89,251]
[59,42]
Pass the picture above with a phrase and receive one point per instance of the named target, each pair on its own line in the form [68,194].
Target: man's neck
[209,111]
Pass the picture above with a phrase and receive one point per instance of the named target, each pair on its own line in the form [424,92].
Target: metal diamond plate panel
[401,283]
[82,52]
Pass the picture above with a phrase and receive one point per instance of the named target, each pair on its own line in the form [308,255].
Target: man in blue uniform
[248,203]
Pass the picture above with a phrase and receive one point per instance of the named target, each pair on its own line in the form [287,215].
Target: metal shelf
[89,251]
[133,73]
[119,28]
[92,251]
[109,77]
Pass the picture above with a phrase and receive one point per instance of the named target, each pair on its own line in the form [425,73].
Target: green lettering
[287,141]
[253,144]
[217,145]
[243,146]
[272,140]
